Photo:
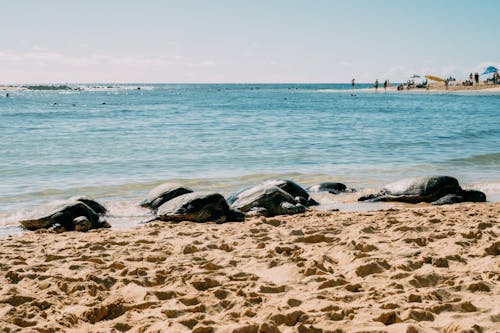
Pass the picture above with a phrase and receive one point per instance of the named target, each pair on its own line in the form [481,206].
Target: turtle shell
[62,213]
[195,207]
[331,187]
[265,196]
[163,193]
[417,189]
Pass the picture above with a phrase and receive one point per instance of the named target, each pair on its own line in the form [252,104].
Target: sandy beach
[475,88]
[335,205]
[12,88]
[488,88]
[419,269]
[433,87]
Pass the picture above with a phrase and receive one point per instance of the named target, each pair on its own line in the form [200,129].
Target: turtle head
[474,196]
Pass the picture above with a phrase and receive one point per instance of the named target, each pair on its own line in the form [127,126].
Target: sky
[236,41]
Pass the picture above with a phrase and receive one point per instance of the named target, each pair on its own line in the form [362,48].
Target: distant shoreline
[433,87]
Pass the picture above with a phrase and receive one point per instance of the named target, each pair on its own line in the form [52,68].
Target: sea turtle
[96,207]
[330,187]
[65,215]
[295,190]
[425,189]
[265,199]
[163,193]
[198,207]
[465,196]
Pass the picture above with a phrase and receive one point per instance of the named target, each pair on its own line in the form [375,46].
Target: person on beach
[476,78]
[352,83]
[385,86]
[376,85]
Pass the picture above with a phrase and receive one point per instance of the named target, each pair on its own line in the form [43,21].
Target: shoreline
[424,268]
[483,88]
[433,87]
[124,211]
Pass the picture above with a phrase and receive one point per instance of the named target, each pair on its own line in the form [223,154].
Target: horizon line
[131,82]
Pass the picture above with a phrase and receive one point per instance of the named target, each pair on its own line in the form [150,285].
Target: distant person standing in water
[385,85]
[352,83]
[376,85]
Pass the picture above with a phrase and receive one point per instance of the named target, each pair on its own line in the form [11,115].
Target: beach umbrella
[490,70]
[434,78]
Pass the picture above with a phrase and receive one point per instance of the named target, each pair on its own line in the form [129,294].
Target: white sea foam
[115,87]
[126,213]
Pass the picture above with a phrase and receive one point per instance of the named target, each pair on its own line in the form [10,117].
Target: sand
[484,88]
[421,269]
[475,88]
[440,87]
[11,88]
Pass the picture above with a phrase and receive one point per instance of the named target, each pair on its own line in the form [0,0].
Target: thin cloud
[100,59]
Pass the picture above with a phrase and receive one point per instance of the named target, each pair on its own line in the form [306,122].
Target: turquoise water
[222,137]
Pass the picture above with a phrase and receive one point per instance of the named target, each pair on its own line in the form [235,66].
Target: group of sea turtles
[176,202]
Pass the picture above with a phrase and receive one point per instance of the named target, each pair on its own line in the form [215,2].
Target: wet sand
[421,269]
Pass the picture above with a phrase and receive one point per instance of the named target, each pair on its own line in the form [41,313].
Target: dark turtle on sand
[96,207]
[267,200]
[433,189]
[65,216]
[163,193]
[199,207]
[465,196]
[294,189]
[330,187]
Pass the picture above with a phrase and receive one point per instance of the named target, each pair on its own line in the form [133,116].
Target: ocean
[116,142]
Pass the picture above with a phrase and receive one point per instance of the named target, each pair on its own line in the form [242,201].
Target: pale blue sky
[245,41]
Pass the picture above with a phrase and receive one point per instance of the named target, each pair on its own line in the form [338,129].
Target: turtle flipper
[448,200]
[368,197]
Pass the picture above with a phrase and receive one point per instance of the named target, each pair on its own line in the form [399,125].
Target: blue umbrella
[489,70]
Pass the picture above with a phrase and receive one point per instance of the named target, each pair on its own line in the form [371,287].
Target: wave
[368,177]
[48,87]
[222,184]
[492,159]
[116,87]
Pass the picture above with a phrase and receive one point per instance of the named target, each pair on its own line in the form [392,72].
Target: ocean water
[115,143]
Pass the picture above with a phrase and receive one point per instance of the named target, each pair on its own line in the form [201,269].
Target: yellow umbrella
[434,78]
